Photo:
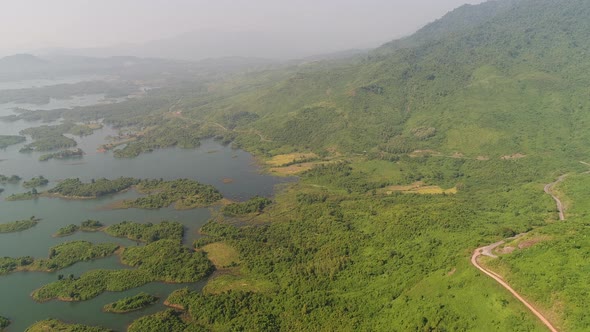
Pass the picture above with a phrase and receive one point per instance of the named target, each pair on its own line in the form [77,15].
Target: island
[183,193]
[10,179]
[67,230]
[35,182]
[51,137]
[76,189]
[60,256]
[64,154]
[31,194]
[19,225]
[4,322]
[131,303]
[91,225]
[56,325]
[85,226]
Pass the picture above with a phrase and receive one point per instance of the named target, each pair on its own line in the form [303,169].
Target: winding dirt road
[548,189]
[488,251]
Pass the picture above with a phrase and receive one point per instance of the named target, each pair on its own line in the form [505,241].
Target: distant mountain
[22,63]
[200,45]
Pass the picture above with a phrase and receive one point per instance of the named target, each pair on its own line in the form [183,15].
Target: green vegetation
[132,303]
[537,262]
[174,134]
[147,232]
[33,194]
[47,138]
[164,260]
[9,179]
[4,322]
[19,226]
[66,254]
[204,310]
[74,188]
[253,205]
[60,256]
[91,225]
[65,154]
[67,230]
[56,325]
[168,320]
[8,264]
[183,193]
[39,181]
[360,253]
[8,140]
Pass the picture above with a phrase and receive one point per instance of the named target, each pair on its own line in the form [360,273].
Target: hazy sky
[323,24]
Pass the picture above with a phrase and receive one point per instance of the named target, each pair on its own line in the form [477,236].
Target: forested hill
[493,79]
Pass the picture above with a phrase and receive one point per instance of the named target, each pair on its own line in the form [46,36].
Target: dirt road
[548,189]
[488,251]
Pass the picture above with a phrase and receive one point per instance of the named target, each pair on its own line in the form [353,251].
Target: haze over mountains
[194,30]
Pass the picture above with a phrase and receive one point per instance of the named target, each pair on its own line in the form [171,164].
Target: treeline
[168,320]
[32,194]
[147,232]
[66,254]
[9,179]
[85,226]
[341,175]
[38,181]
[184,193]
[93,189]
[56,325]
[174,133]
[65,154]
[253,205]
[131,303]
[51,137]
[19,225]
[60,256]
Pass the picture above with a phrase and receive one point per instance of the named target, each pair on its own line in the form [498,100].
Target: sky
[313,25]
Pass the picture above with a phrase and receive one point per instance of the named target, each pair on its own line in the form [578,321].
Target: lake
[210,164]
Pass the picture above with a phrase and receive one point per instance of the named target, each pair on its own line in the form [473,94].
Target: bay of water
[211,163]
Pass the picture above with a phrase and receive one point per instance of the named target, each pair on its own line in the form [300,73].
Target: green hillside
[510,83]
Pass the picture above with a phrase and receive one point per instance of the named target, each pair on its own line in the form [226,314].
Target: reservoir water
[211,163]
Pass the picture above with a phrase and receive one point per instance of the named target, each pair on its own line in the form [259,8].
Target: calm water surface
[211,163]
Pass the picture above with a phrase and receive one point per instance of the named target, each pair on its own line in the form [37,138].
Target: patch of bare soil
[513,156]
